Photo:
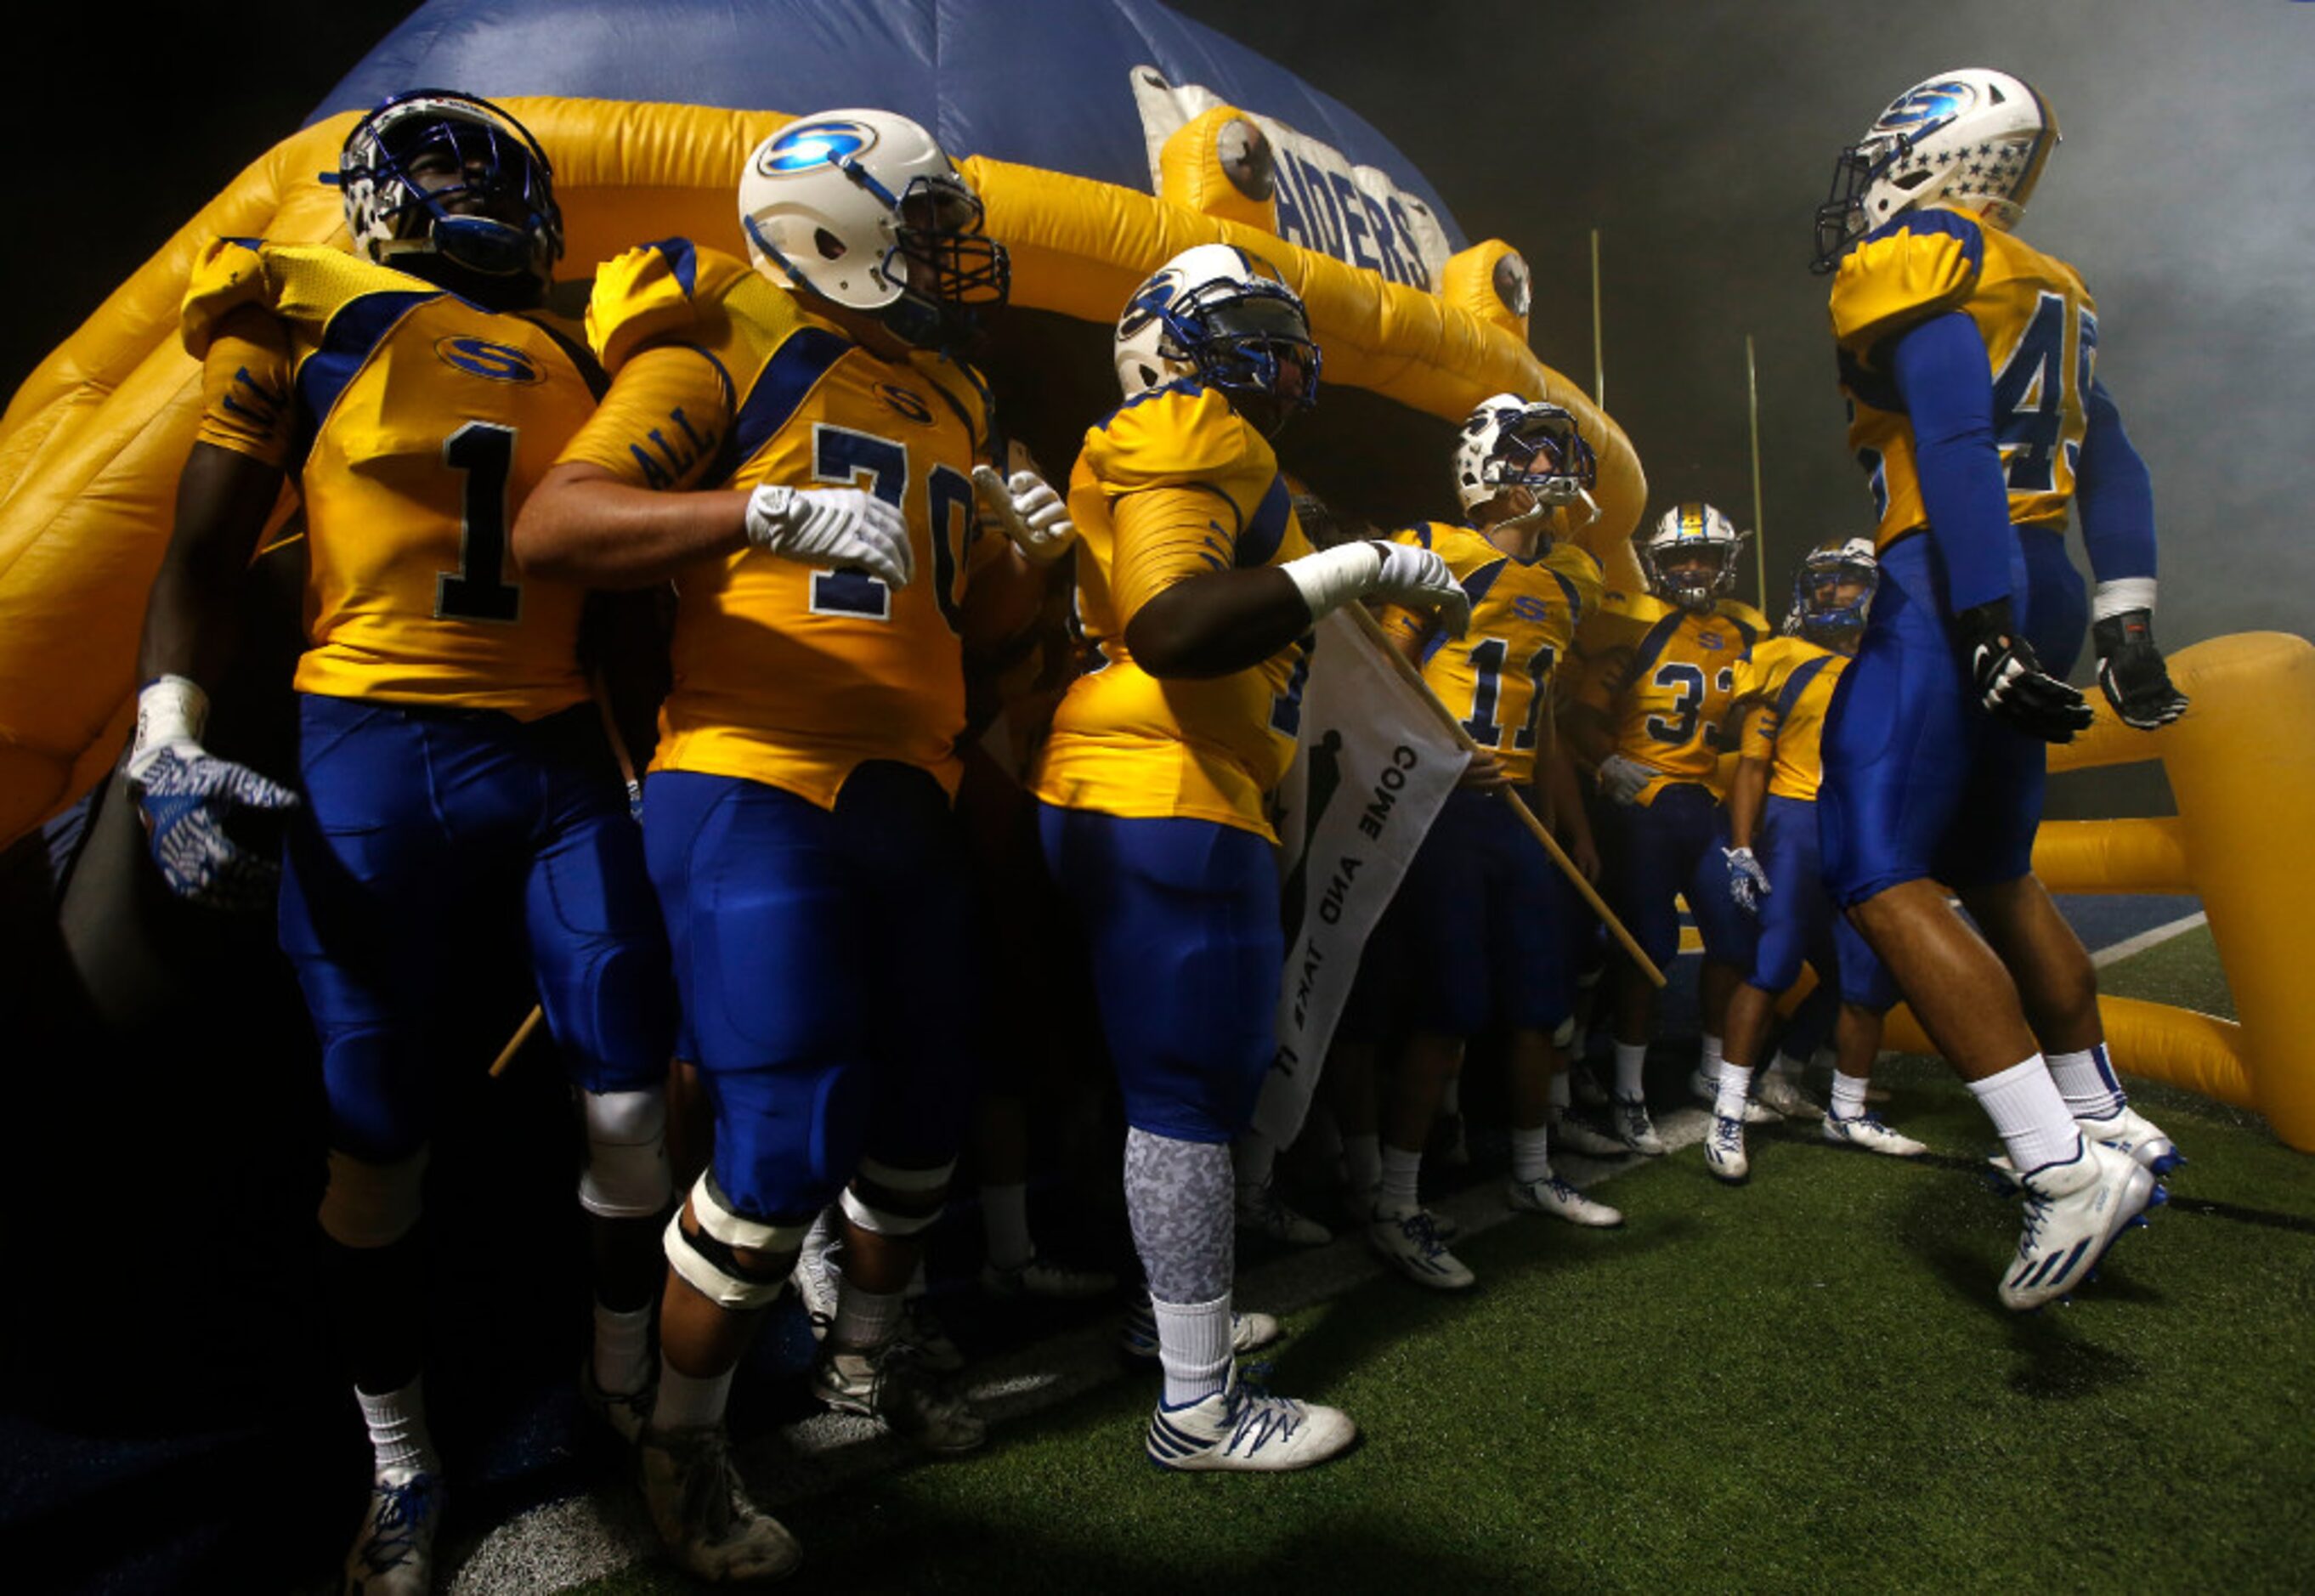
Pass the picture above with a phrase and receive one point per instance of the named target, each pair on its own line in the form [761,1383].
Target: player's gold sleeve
[1185,439]
[1756,738]
[228,275]
[647,295]
[1921,270]
[247,397]
[1163,535]
[662,423]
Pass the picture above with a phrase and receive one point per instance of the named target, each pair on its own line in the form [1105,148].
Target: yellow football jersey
[1524,616]
[2040,328]
[415,424]
[1666,686]
[1783,688]
[787,673]
[1210,498]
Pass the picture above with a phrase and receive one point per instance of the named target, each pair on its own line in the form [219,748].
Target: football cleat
[1570,1134]
[1635,1129]
[1777,1090]
[2129,1132]
[814,1280]
[928,1338]
[1554,1196]
[2074,1210]
[1863,1130]
[1410,1243]
[702,1512]
[1242,1428]
[1055,1282]
[891,1383]
[1137,1338]
[1705,1090]
[394,1554]
[1261,1211]
[1724,1151]
[623,1411]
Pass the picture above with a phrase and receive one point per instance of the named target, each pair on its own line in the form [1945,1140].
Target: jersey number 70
[841,456]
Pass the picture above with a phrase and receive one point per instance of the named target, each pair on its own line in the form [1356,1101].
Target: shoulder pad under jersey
[1176,436]
[1747,620]
[1920,265]
[1619,621]
[670,290]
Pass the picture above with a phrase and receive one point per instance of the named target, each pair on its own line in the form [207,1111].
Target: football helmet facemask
[864,209]
[1976,137]
[1690,556]
[1832,592]
[1509,442]
[435,172]
[1224,318]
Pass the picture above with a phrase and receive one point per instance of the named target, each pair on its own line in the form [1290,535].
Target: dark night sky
[1696,138]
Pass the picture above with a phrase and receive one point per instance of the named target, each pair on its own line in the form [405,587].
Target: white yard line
[596,1535]
[2147,939]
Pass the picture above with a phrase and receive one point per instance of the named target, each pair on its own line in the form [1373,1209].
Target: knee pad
[626,1175]
[709,1260]
[372,1205]
[891,1189]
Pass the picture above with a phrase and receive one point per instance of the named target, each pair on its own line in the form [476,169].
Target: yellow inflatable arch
[91,446]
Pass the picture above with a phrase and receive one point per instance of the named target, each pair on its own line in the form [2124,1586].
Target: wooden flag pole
[1408,673]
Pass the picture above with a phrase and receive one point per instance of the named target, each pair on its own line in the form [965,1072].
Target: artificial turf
[1802,1382]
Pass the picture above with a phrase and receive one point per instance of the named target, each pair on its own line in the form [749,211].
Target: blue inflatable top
[1041,83]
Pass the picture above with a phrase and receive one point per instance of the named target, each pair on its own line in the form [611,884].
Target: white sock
[1848,1095]
[1561,1095]
[622,1350]
[1531,1154]
[1735,1086]
[1451,1102]
[1400,1194]
[2087,1080]
[1363,1162]
[1194,1347]
[687,1402]
[397,1429]
[2029,1115]
[1252,1157]
[1710,1057]
[1631,1061]
[864,1318]
[1005,1220]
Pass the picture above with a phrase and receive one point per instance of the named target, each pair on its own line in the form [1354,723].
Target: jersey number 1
[484,455]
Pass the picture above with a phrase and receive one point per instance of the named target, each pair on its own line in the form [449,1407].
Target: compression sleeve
[2115,495]
[1940,370]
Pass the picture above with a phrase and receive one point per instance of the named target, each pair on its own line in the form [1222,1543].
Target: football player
[450,765]
[1969,359]
[811,429]
[1197,593]
[1482,893]
[1662,676]
[1784,686]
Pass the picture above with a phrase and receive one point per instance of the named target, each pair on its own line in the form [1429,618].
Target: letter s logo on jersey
[906,403]
[499,362]
[810,146]
[1528,607]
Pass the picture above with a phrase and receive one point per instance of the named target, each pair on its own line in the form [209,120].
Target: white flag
[1374,768]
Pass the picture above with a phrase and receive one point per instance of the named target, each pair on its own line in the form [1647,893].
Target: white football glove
[1420,580]
[1748,883]
[1033,513]
[1623,779]
[185,795]
[833,526]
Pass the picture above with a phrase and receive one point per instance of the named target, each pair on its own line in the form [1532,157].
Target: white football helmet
[1510,442]
[1832,592]
[866,209]
[1690,556]
[1976,137]
[1221,317]
[435,172]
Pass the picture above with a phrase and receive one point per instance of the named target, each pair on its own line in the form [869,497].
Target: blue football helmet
[437,174]
[1833,593]
[1224,318]
[1510,442]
